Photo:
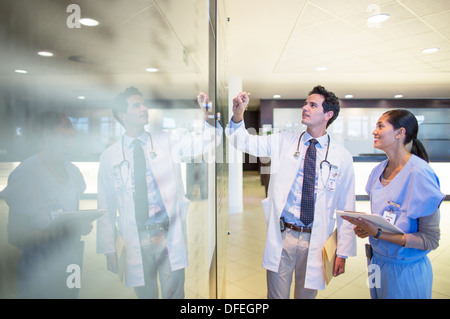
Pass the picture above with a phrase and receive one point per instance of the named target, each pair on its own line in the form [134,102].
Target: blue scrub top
[413,193]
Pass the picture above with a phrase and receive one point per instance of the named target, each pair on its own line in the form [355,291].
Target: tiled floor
[245,278]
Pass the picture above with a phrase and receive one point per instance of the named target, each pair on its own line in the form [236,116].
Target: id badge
[389,216]
[332,180]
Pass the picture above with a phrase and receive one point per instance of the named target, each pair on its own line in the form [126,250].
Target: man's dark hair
[331,102]
[120,102]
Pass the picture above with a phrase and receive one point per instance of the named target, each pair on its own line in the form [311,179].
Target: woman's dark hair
[403,118]
[48,121]
[331,102]
[43,122]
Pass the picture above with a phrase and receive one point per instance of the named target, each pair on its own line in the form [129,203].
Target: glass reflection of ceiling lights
[45,53]
[89,22]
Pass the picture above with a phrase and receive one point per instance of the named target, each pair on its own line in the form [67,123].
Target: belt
[301,229]
[155,226]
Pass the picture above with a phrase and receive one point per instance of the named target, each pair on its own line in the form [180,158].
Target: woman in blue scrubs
[405,190]
[40,188]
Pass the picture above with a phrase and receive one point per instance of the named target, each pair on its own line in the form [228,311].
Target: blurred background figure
[41,187]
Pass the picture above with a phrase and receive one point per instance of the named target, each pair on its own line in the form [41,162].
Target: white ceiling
[277,48]
[274,45]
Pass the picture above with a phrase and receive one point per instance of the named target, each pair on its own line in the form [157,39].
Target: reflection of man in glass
[39,189]
[152,225]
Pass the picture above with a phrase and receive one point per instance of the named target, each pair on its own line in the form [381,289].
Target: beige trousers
[293,259]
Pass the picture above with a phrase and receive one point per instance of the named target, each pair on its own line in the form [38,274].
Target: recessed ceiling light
[321,68]
[81,97]
[151,70]
[21,71]
[348,96]
[378,18]
[398,96]
[430,50]
[89,22]
[276,96]
[45,53]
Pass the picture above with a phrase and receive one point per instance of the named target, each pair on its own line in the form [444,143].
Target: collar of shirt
[128,140]
[323,140]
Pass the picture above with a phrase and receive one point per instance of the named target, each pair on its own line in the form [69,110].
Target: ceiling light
[45,53]
[151,70]
[21,71]
[430,50]
[81,97]
[378,18]
[321,68]
[276,96]
[348,96]
[89,22]
[398,96]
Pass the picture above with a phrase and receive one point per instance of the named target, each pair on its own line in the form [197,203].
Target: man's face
[137,113]
[312,112]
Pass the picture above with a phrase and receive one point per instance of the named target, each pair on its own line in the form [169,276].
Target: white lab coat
[115,193]
[281,148]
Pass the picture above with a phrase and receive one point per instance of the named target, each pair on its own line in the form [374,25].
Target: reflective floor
[245,278]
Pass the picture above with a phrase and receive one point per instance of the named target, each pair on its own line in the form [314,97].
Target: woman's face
[60,139]
[385,136]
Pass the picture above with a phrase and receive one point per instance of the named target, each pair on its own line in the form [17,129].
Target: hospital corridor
[244,276]
[138,140]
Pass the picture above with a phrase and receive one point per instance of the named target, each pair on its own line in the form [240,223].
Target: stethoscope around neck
[325,161]
[126,162]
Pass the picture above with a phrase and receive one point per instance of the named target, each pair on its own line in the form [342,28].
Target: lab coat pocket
[121,178]
[267,208]
[117,182]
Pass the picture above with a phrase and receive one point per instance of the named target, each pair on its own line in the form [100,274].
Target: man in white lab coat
[291,245]
[155,245]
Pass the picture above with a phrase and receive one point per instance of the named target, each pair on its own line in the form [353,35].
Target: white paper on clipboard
[376,219]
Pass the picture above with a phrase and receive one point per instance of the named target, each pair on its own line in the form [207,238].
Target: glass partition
[68,227]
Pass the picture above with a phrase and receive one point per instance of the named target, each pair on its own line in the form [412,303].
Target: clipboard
[88,215]
[376,219]
[329,256]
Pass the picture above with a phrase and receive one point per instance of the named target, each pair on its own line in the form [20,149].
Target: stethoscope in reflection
[325,161]
[125,164]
